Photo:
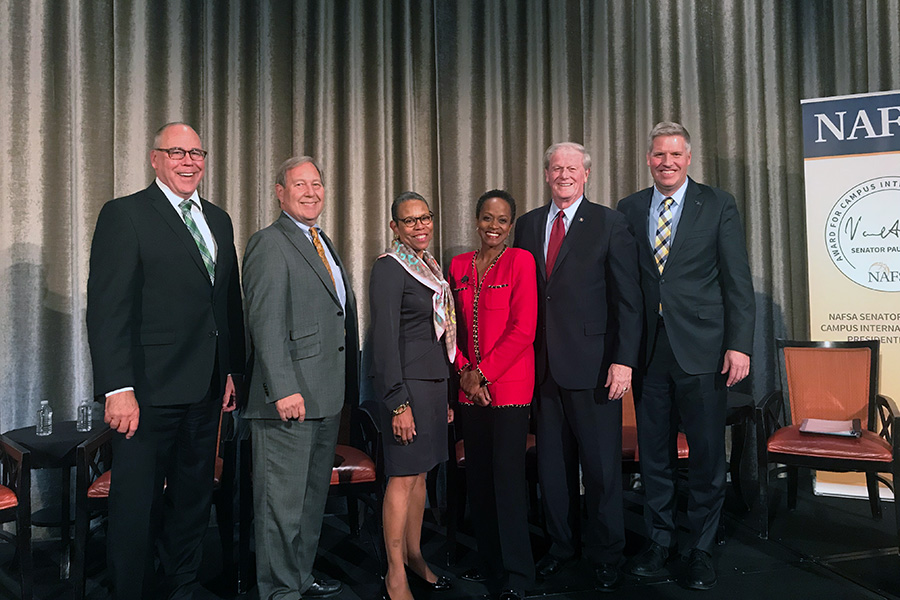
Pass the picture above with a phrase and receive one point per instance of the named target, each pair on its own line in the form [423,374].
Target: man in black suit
[699,315]
[165,328]
[586,346]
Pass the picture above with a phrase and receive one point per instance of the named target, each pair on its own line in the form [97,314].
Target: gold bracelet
[400,409]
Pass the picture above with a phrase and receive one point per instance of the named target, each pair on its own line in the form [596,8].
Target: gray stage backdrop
[445,97]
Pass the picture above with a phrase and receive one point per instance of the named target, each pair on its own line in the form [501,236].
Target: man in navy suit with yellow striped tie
[699,315]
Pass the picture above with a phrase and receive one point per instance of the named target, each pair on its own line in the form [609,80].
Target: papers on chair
[829,427]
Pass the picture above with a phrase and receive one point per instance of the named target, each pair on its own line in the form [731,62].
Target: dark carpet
[827,548]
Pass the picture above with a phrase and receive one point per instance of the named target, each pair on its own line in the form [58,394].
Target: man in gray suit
[303,329]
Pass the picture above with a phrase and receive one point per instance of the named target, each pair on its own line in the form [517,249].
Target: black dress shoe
[550,565]
[511,595]
[608,577]
[474,574]
[323,588]
[650,561]
[442,584]
[701,575]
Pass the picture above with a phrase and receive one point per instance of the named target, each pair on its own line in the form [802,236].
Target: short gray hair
[296,161]
[585,157]
[665,128]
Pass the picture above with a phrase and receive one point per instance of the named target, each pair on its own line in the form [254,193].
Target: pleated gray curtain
[449,98]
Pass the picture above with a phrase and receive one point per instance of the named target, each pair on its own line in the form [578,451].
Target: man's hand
[470,382]
[122,412]
[450,414]
[232,396]
[736,365]
[618,380]
[404,426]
[291,407]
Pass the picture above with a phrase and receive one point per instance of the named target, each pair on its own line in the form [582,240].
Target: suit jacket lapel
[577,229]
[168,214]
[219,229]
[645,244]
[693,200]
[337,259]
[304,246]
[540,230]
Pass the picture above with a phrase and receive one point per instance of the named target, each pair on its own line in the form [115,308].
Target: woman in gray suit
[414,340]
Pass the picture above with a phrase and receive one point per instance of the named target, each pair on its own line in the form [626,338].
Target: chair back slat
[828,383]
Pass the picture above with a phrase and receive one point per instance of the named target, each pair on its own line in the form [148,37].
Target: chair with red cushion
[836,381]
[15,505]
[93,462]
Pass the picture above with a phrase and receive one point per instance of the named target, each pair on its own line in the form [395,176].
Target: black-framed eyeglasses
[424,220]
[178,153]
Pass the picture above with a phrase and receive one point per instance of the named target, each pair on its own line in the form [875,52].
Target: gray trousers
[292,465]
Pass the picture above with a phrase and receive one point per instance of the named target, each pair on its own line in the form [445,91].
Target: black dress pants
[666,397]
[495,440]
[175,447]
[581,427]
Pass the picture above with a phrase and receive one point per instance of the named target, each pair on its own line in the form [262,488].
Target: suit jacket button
[340,313]
[548,298]
[341,349]
[213,333]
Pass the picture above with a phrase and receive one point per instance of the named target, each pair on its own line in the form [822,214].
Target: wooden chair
[357,475]
[93,462]
[15,505]
[827,380]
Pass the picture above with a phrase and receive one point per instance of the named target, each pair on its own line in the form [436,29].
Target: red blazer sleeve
[521,322]
[458,268]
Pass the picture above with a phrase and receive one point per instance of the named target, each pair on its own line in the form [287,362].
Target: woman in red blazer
[496,306]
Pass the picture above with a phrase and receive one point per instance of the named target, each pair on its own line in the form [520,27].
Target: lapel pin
[581,219]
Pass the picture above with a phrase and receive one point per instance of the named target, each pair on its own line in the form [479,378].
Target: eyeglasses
[424,220]
[178,153]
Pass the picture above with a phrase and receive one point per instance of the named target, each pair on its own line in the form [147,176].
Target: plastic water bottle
[85,416]
[45,419]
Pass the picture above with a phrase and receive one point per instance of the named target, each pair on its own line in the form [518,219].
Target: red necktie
[557,234]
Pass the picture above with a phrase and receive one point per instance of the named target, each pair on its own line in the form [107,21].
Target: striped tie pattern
[663,240]
[205,254]
[317,242]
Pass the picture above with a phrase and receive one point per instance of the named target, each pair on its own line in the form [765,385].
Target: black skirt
[428,402]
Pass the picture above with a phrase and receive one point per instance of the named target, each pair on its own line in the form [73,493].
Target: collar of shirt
[656,202]
[176,200]
[335,269]
[303,226]
[569,212]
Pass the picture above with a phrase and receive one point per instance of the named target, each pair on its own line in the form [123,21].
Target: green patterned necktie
[198,239]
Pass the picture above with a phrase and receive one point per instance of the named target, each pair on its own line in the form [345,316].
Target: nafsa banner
[851,150]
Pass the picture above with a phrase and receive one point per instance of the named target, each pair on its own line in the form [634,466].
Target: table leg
[65,538]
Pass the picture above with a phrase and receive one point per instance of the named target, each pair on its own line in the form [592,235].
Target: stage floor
[827,548]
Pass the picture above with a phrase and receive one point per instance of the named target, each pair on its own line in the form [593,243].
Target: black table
[56,451]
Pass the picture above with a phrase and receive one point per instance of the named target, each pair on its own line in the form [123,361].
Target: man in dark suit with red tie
[699,316]
[586,346]
[165,328]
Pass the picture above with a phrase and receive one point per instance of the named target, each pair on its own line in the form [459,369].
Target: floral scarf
[427,272]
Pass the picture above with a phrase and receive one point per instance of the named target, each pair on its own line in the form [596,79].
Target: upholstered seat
[832,381]
[8,498]
[352,465]
[790,440]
